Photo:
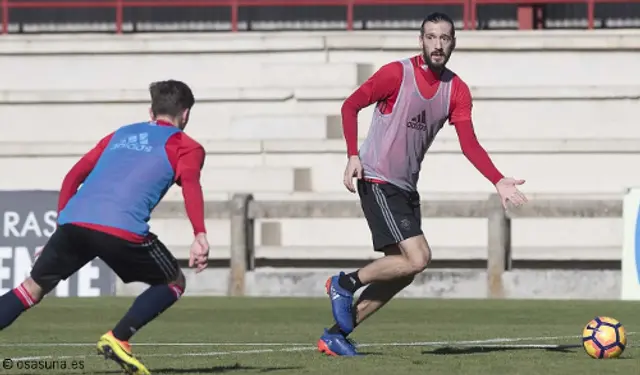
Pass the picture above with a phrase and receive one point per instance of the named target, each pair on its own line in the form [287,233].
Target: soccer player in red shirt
[414,98]
[123,179]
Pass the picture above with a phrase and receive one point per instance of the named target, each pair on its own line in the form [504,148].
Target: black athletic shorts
[393,214]
[71,247]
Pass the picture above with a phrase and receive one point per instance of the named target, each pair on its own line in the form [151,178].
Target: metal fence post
[240,246]
[499,247]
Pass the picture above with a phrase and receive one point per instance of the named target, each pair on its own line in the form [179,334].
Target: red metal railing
[591,4]
[119,5]
[469,6]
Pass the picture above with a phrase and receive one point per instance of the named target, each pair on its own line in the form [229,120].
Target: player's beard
[435,66]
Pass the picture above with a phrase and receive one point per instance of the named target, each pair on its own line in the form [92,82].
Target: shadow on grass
[500,348]
[365,354]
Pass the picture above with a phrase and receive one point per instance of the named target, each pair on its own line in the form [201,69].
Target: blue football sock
[151,303]
[12,304]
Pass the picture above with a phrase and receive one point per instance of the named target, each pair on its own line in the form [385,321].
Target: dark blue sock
[12,304]
[151,303]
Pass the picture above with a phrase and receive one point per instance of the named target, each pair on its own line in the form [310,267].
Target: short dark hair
[170,98]
[438,17]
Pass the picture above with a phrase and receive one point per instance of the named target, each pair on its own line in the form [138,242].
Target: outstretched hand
[508,191]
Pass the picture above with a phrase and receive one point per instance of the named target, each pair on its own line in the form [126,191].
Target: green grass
[300,321]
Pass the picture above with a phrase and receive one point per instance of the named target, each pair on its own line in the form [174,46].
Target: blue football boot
[334,344]
[341,304]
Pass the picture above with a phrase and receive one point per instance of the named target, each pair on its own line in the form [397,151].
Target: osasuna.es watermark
[28,219]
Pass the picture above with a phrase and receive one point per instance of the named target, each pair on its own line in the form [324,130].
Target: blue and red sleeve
[79,172]
[187,159]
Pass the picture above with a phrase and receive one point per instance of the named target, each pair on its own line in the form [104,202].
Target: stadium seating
[270,121]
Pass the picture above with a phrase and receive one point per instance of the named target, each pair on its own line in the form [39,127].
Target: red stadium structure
[529,13]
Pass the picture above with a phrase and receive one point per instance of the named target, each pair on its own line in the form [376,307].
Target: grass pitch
[278,336]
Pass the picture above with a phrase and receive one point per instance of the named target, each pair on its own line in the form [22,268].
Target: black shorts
[393,214]
[71,247]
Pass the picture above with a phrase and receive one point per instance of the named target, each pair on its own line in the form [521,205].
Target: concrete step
[252,152]
[211,118]
[547,58]
[546,173]
[277,127]
[267,44]
[541,59]
[443,172]
[81,72]
[527,67]
[553,112]
[263,179]
[47,174]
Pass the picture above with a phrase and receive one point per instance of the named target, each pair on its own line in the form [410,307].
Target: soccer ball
[604,338]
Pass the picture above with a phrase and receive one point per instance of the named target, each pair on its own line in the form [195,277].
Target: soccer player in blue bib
[123,179]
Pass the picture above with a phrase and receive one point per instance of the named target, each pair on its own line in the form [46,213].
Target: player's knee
[179,284]
[419,264]
[417,252]
[35,292]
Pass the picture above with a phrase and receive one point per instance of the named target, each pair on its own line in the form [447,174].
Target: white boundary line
[258,344]
[296,347]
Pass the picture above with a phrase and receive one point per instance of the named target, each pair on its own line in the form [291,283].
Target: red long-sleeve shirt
[383,87]
[186,157]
